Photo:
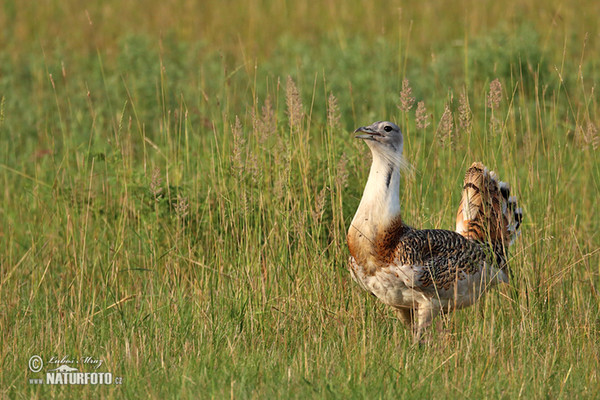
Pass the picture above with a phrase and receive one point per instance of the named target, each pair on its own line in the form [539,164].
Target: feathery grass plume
[592,135]
[181,206]
[269,118]
[319,209]
[333,112]
[265,125]
[281,159]
[495,94]
[238,145]
[406,98]
[422,118]
[588,136]
[294,104]
[493,102]
[254,168]
[279,186]
[446,125]
[465,116]
[341,177]
[156,184]
[250,164]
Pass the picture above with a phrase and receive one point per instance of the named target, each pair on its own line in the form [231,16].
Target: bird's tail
[487,211]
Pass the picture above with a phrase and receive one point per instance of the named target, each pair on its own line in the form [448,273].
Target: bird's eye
[387,128]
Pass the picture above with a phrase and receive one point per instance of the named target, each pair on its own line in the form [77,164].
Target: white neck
[380,204]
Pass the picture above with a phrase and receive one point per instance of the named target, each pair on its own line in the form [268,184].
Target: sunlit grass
[176,192]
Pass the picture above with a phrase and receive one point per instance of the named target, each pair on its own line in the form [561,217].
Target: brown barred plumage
[486,211]
[422,272]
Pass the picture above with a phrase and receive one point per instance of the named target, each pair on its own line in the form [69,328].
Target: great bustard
[423,272]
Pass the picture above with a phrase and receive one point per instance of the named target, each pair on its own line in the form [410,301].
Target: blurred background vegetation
[178,177]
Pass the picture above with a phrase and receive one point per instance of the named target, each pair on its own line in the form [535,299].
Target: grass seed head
[294,104]
[495,94]
[422,118]
[333,112]
[465,116]
[156,183]
[319,205]
[446,126]
[406,98]
[182,206]
[588,136]
[265,125]
[341,177]
[239,143]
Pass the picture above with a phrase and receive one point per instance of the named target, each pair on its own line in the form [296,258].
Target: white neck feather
[380,203]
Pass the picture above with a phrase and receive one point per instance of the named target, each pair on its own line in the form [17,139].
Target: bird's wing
[434,260]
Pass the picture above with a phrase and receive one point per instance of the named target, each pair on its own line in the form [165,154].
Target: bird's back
[442,258]
[431,263]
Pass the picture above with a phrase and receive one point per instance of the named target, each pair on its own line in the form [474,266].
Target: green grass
[177,181]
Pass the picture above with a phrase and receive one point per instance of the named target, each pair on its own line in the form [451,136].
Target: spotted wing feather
[487,212]
[437,259]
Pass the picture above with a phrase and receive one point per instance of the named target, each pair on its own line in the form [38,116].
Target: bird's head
[384,138]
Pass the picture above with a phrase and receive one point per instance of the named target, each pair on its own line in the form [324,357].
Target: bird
[421,273]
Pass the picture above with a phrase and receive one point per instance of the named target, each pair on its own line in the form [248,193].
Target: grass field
[177,180]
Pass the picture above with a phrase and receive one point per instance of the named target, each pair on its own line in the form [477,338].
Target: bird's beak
[370,133]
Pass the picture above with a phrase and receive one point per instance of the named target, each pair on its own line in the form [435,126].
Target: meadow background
[177,178]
